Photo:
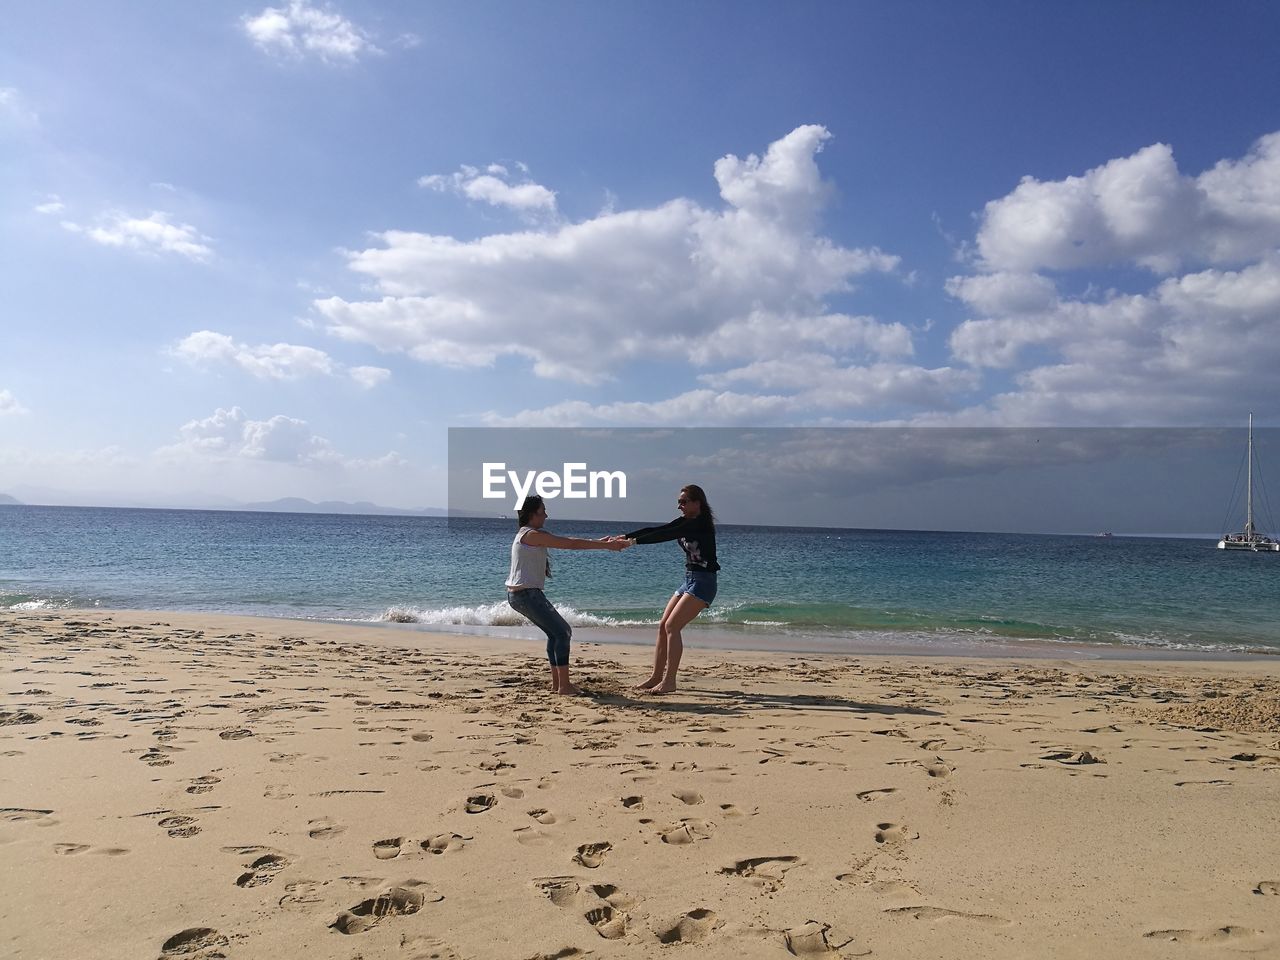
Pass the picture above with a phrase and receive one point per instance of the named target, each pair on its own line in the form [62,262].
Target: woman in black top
[695,529]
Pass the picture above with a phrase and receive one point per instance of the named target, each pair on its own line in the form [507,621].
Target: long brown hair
[695,492]
[528,509]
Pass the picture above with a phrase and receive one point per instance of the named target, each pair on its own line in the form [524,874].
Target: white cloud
[761,334]
[279,361]
[152,234]
[229,435]
[300,29]
[703,407]
[1001,294]
[1139,209]
[1197,348]
[676,281]
[53,204]
[369,377]
[9,404]
[275,361]
[821,383]
[493,187]
[802,386]
[13,106]
[284,440]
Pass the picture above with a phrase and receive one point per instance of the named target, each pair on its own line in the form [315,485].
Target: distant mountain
[6,499]
[299,505]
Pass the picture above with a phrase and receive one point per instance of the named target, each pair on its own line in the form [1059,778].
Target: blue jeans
[533,604]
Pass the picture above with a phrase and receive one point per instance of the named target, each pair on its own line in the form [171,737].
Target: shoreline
[750,637]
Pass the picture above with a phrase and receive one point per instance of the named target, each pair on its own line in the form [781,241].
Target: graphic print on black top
[696,536]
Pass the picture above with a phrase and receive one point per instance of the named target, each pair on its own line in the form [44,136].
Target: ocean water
[788,588]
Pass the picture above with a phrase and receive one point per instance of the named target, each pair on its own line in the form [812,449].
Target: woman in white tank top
[530,568]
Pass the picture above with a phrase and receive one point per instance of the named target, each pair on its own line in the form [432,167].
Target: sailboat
[1249,538]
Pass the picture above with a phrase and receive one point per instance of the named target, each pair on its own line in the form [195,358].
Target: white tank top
[530,566]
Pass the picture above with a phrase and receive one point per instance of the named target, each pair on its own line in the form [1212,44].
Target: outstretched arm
[540,538]
[668,531]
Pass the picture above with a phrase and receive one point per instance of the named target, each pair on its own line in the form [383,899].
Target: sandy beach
[197,786]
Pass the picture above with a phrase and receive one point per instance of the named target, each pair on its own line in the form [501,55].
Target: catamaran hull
[1272,547]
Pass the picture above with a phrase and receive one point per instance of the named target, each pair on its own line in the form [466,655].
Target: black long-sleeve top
[697,537]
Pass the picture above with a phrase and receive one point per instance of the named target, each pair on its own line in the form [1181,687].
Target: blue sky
[255,250]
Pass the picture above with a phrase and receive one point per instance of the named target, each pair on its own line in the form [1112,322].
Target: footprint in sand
[422,737]
[605,904]
[938,768]
[196,943]
[733,812]
[609,923]
[1236,936]
[1073,757]
[687,831]
[688,797]
[238,734]
[262,871]
[402,900]
[765,872]
[388,849]
[180,826]
[158,756]
[633,803]
[613,896]
[814,939]
[324,828]
[75,849]
[562,891]
[533,837]
[480,802]
[514,793]
[545,817]
[1268,888]
[591,855]
[39,818]
[444,843]
[694,927]
[866,796]
[940,913]
[203,784]
[301,895]
[894,833]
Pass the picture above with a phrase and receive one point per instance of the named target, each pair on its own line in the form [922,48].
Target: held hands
[617,542]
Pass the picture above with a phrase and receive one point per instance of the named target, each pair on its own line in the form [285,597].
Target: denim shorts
[699,583]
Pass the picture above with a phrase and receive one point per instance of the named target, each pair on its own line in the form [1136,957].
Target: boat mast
[1248,523]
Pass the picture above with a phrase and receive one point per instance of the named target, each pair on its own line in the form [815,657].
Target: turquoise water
[784,585]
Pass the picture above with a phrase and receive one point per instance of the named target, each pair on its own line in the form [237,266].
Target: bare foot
[648,684]
[570,692]
[664,689]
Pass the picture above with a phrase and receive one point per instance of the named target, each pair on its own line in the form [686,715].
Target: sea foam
[497,614]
